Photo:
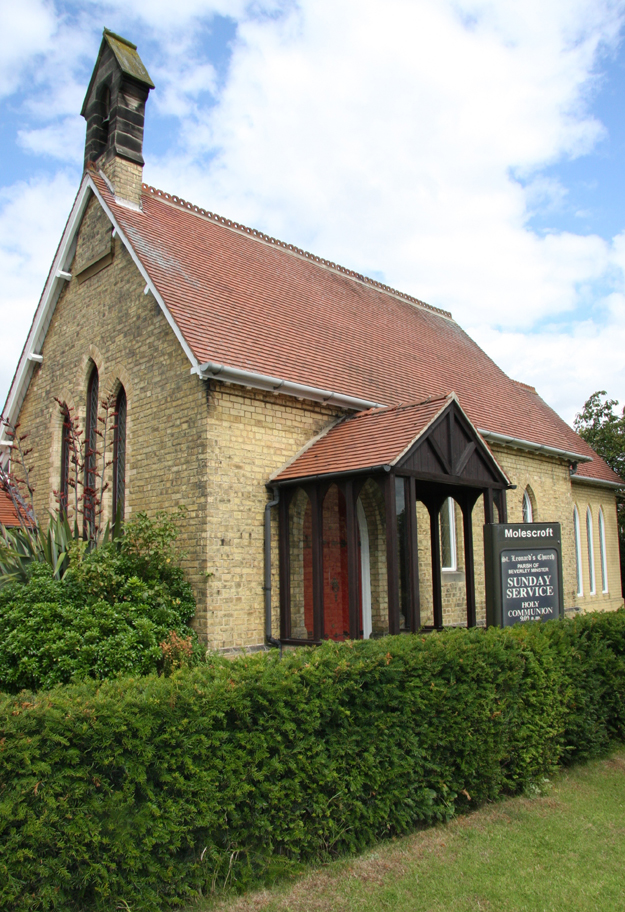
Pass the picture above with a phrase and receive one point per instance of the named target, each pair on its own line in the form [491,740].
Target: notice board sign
[523,563]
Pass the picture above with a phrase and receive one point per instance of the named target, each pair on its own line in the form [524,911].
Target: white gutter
[276,385]
[581,479]
[530,445]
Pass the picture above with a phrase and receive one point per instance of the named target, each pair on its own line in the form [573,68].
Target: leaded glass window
[91,446]
[119,456]
[591,552]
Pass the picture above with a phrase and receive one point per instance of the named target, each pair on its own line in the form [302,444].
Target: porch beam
[284,552]
[434,508]
[316,495]
[468,502]
[353,561]
[392,564]
[488,506]
[502,504]
[414,621]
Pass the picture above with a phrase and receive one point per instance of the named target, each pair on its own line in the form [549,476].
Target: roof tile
[244,300]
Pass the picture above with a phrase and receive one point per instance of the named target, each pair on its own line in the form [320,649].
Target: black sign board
[523,573]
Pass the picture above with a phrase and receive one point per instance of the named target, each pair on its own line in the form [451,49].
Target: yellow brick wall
[109,321]
[596,498]
[251,434]
[553,496]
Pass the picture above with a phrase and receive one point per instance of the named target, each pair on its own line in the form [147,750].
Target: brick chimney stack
[114,108]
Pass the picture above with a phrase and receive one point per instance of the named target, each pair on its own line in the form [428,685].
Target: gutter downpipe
[269,639]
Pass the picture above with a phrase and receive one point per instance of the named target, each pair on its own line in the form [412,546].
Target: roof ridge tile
[291,248]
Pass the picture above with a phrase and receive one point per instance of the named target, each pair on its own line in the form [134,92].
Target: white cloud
[26,30]
[566,367]
[63,139]
[32,218]
[385,136]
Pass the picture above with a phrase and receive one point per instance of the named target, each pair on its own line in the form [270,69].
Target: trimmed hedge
[137,793]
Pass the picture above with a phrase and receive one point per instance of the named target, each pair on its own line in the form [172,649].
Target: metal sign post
[523,563]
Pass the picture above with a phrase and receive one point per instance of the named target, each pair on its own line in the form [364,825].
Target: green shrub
[108,615]
[137,793]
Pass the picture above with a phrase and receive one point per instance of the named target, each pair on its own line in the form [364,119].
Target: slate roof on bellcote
[247,301]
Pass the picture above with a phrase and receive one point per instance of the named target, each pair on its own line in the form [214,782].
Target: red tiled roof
[8,514]
[242,301]
[376,437]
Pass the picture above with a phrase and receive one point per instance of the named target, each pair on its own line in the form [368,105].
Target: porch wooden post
[488,506]
[414,621]
[437,585]
[284,552]
[316,504]
[469,565]
[392,564]
[503,505]
[353,558]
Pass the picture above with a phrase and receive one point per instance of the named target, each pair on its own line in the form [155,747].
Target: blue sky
[470,153]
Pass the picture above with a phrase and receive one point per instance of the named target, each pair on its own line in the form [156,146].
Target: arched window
[91,446]
[449,560]
[578,552]
[528,512]
[119,456]
[604,558]
[591,552]
[65,447]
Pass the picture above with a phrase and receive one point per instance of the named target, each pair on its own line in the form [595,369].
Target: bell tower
[114,108]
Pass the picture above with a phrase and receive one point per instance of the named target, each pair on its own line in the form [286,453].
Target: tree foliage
[601,425]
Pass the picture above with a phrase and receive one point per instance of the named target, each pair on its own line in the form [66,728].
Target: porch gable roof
[413,438]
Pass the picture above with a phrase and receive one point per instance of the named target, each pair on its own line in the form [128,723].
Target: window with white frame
[591,552]
[449,559]
[578,552]
[602,549]
[528,512]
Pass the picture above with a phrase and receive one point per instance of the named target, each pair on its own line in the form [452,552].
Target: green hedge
[137,793]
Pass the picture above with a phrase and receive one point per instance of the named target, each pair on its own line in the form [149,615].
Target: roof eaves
[520,444]
[585,479]
[270,384]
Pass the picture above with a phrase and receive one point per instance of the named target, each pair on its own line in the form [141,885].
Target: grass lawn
[560,851]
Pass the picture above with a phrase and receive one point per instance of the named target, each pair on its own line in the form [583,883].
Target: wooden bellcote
[114,108]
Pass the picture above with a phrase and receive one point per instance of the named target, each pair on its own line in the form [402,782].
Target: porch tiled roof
[241,300]
[374,438]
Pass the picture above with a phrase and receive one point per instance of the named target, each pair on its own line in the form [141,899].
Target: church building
[338,445]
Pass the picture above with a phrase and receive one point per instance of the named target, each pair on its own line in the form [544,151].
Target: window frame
[578,552]
[527,507]
[603,554]
[119,454]
[65,459]
[91,447]
[591,552]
